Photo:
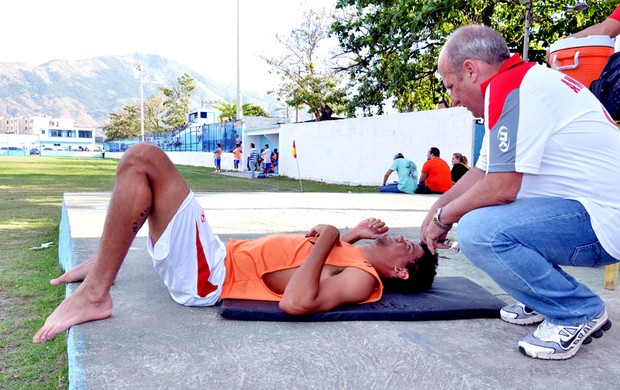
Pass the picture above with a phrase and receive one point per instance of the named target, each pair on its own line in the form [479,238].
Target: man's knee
[475,231]
[141,156]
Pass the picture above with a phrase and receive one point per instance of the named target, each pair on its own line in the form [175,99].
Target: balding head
[474,42]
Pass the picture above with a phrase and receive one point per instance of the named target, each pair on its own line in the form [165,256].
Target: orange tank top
[248,260]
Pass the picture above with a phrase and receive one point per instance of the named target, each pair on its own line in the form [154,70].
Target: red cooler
[581,58]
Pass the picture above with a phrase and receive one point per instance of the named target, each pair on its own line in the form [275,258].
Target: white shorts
[189,257]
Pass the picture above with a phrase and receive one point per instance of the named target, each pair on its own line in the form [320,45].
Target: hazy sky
[200,34]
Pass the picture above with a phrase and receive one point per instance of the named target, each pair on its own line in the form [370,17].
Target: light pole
[141,104]
[580,5]
[239,104]
[528,22]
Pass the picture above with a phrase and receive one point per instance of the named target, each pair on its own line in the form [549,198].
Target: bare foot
[76,274]
[76,309]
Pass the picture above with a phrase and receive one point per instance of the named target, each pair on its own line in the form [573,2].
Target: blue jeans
[390,188]
[522,245]
[253,168]
[423,189]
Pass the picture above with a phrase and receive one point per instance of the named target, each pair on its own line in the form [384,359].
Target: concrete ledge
[151,342]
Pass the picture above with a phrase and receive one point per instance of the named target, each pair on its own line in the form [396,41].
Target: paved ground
[150,342]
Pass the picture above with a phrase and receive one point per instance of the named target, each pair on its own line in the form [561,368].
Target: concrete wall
[360,150]
[354,151]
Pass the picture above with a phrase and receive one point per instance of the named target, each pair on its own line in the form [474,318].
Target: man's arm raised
[306,293]
[367,229]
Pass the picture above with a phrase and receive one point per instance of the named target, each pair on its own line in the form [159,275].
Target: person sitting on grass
[306,274]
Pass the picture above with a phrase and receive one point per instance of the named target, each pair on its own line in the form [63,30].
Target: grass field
[31,190]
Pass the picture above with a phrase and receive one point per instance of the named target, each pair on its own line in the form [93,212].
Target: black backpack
[607,87]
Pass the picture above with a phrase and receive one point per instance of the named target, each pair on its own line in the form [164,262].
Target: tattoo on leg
[143,216]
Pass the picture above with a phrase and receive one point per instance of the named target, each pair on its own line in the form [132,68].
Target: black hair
[421,274]
[435,152]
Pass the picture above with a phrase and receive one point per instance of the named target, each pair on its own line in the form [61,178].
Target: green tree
[229,110]
[307,79]
[124,124]
[153,114]
[176,101]
[250,109]
[389,48]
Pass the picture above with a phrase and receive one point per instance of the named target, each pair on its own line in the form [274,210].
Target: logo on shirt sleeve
[503,139]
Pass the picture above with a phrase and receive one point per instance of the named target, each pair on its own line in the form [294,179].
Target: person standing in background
[237,156]
[275,157]
[252,160]
[266,160]
[217,157]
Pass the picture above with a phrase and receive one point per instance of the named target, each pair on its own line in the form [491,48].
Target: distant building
[47,133]
[32,125]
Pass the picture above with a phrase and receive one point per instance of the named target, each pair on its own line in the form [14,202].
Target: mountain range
[89,90]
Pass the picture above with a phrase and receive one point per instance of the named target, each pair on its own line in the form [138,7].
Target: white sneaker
[557,342]
[520,314]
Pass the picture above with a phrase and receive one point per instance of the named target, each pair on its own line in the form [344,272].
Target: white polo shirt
[548,126]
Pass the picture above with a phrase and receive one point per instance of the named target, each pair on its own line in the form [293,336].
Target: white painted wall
[355,151]
[360,150]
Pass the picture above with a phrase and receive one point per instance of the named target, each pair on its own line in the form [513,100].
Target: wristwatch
[437,221]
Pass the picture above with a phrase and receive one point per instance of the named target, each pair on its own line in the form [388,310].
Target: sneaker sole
[505,316]
[526,321]
[599,333]
[567,355]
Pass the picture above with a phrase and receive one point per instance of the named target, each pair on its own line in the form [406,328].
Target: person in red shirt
[609,27]
[436,177]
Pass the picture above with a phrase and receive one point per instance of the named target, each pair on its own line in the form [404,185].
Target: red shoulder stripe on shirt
[503,84]
[616,14]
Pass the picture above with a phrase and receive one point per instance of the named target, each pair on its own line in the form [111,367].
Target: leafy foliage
[389,48]
[176,101]
[153,113]
[124,124]
[307,80]
[228,111]
[162,111]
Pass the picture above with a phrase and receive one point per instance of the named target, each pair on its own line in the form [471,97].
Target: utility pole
[141,104]
[528,22]
[239,103]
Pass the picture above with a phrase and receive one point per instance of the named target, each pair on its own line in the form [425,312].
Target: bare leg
[147,186]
